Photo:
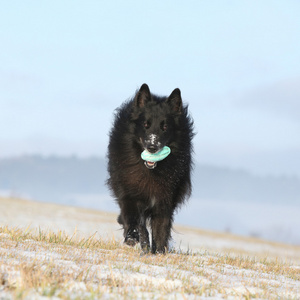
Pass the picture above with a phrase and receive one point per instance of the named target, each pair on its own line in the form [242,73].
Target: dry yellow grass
[18,212]
[37,263]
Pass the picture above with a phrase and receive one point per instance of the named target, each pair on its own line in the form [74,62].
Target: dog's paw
[132,237]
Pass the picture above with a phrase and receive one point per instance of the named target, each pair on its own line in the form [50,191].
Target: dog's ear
[175,100]
[142,96]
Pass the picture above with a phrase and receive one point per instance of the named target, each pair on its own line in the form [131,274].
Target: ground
[54,251]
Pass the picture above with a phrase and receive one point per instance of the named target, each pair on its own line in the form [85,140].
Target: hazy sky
[66,65]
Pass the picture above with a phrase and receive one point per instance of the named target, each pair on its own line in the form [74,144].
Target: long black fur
[150,194]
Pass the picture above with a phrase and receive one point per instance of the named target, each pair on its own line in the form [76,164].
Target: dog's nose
[152,148]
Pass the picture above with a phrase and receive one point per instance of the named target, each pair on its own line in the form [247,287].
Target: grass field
[39,263]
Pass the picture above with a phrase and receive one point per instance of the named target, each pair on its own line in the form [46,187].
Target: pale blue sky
[66,65]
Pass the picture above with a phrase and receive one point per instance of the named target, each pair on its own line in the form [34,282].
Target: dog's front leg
[161,225]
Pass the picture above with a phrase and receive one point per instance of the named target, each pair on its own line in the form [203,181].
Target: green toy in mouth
[151,159]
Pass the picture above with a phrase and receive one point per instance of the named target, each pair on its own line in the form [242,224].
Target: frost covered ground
[74,253]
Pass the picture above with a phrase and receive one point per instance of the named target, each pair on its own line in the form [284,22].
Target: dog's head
[155,118]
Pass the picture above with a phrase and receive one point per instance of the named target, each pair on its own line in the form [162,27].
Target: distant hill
[52,178]
[56,178]
[239,185]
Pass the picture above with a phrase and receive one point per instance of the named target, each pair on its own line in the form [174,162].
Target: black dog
[147,191]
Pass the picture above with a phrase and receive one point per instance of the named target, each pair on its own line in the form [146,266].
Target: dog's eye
[146,124]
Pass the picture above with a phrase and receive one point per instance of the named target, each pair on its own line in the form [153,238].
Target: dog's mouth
[150,164]
[151,158]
